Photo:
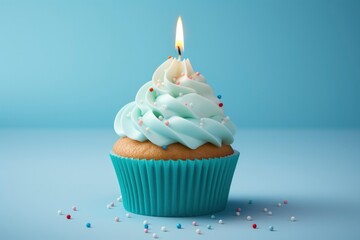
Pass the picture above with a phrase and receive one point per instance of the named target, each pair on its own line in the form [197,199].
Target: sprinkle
[117,219]
[108,206]
[279,204]
[250,201]
[128,114]
[238,209]
[197,73]
[164,147]
[201,124]
[163,229]
[265,209]
[74,208]
[285,202]
[190,77]
[194,223]
[145,222]
[271,228]
[146,230]
[269,213]
[254,226]
[237,213]
[128,215]
[212,217]
[170,57]
[191,104]
[119,199]
[151,89]
[155,103]
[140,122]
[227,118]
[155,235]
[147,129]
[112,204]
[177,82]
[178,226]
[221,221]
[209,226]
[293,219]
[88,225]
[221,104]
[249,218]
[219,96]
[182,74]
[68,216]
[59,212]
[167,123]
[180,94]
[146,226]
[198,231]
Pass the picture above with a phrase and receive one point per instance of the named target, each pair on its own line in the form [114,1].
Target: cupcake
[173,157]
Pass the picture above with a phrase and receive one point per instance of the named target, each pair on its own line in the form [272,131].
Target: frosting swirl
[177,105]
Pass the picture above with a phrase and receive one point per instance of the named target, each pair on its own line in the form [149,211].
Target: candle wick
[179,52]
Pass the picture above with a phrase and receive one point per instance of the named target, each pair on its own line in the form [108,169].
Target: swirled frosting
[177,105]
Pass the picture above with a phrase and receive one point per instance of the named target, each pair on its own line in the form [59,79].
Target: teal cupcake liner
[175,188]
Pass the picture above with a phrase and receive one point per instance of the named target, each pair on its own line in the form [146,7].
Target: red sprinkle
[151,89]
[254,226]
[285,202]
[68,216]
[221,104]
[238,209]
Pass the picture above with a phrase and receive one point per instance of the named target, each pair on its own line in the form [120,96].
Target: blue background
[276,63]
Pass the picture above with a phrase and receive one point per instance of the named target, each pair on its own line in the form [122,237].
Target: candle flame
[179,39]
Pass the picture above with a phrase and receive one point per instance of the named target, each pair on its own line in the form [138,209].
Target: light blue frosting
[176,106]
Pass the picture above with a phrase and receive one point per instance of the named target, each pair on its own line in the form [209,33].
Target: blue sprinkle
[88,225]
[209,226]
[164,147]
[271,228]
[219,96]
[146,226]
[178,226]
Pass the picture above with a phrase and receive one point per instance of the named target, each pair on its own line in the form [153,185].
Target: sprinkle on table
[59,212]
[293,219]
[221,104]
[198,231]
[221,221]
[68,216]
[194,223]
[254,226]
[117,219]
[285,201]
[249,218]
[73,208]
[88,225]
[178,226]
[271,228]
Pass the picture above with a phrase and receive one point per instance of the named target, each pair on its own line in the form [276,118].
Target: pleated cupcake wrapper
[175,188]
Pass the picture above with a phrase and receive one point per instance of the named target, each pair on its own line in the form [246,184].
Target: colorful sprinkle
[198,231]
[165,147]
[151,89]
[74,208]
[221,104]
[146,230]
[197,73]
[178,226]
[68,216]
[177,82]
[140,122]
[59,212]
[221,221]
[88,225]
[285,202]
[271,228]
[146,226]
[166,123]
[254,226]
[190,77]
[194,223]
[219,96]
[117,219]
[249,218]
[293,219]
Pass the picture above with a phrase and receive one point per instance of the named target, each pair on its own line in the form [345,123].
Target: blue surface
[289,63]
[317,171]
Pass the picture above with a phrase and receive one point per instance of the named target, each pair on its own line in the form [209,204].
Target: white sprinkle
[212,217]
[163,229]
[180,94]
[117,219]
[270,213]
[155,103]
[145,222]
[147,129]
[128,114]
[221,221]
[128,215]
[279,204]
[201,124]
[161,118]
[223,122]
[119,199]
[265,209]
[59,212]
[249,218]
[237,213]
[191,104]
[108,206]
[227,118]
[198,231]
[154,235]
[293,219]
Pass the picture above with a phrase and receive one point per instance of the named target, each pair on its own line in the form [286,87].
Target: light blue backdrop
[276,63]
